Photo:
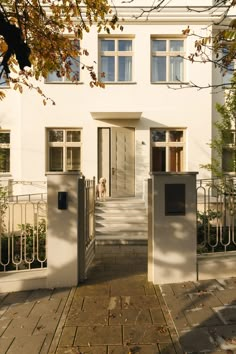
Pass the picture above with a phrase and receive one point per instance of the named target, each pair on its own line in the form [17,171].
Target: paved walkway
[118,312]
[204,314]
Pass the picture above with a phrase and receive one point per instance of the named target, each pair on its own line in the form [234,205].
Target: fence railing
[216,205]
[23,228]
[86,225]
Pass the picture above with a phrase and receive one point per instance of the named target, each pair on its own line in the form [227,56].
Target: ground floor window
[4,151]
[167,150]
[64,149]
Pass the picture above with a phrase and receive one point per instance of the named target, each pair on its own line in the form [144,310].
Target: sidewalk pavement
[116,311]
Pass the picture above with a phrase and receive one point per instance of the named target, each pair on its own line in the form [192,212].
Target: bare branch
[222,86]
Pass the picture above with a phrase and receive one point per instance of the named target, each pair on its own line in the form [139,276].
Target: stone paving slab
[27,345]
[140,349]
[44,306]
[227,314]
[97,303]
[129,316]
[146,334]
[199,316]
[20,327]
[204,299]
[86,350]
[88,318]
[98,335]
[18,310]
[140,301]
[196,340]
[5,344]
[227,297]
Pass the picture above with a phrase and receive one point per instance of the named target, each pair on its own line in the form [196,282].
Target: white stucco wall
[160,106]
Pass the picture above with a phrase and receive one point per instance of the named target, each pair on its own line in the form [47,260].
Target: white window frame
[6,146]
[167,144]
[168,54]
[63,79]
[64,145]
[116,54]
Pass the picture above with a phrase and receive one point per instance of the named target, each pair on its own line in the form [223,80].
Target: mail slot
[175,199]
[62,200]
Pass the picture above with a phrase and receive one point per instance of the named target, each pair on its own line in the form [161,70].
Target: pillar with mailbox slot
[172,242]
[62,233]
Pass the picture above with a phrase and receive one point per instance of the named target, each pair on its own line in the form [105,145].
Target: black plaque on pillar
[175,203]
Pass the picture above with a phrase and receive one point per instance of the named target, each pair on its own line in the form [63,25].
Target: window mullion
[167,158]
[64,158]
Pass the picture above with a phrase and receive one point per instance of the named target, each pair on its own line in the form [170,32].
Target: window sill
[48,173]
[170,83]
[63,83]
[119,83]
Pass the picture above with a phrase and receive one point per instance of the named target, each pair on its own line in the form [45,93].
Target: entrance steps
[121,221]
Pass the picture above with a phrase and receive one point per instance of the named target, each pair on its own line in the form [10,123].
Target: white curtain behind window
[158,68]
[176,69]
[125,68]
[108,67]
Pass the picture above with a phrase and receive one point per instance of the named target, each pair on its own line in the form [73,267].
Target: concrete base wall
[25,280]
[218,265]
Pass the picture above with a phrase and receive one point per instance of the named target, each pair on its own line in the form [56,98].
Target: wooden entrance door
[122,162]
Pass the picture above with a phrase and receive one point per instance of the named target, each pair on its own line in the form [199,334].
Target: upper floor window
[64,149]
[70,70]
[228,71]
[167,60]
[116,59]
[4,151]
[167,150]
[4,82]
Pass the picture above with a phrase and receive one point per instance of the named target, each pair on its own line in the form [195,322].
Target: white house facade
[144,120]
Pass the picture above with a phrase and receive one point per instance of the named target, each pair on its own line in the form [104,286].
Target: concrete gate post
[62,233]
[172,231]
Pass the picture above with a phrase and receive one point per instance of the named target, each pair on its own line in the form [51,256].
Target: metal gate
[216,223]
[86,225]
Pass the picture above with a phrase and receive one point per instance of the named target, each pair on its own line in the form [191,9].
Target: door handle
[113,171]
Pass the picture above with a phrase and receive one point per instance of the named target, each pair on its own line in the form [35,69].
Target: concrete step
[121,221]
[115,242]
[121,228]
[121,204]
[108,218]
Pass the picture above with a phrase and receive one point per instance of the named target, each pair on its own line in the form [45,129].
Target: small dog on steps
[101,189]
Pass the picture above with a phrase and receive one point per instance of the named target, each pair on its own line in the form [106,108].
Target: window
[72,64]
[4,151]
[116,59]
[229,151]
[167,150]
[228,72]
[167,60]
[64,150]
[4,82]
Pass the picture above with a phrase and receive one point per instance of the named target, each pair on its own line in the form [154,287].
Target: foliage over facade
[222,42]
[38,34]
[225,137]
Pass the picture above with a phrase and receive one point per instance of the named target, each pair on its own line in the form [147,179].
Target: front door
[122,162]
[116,160]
